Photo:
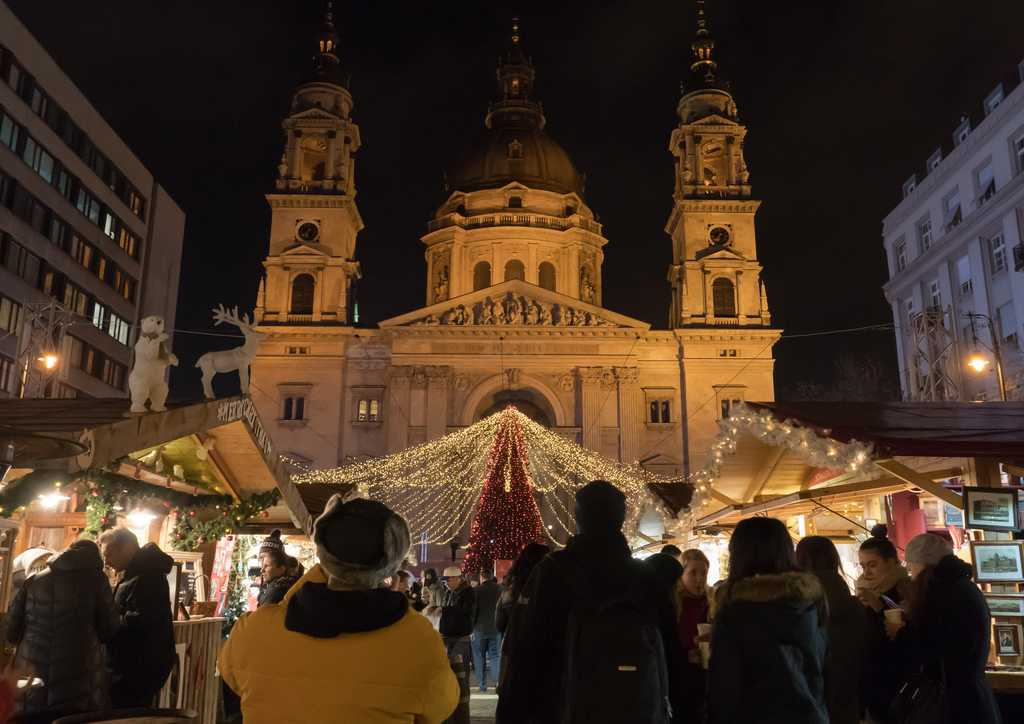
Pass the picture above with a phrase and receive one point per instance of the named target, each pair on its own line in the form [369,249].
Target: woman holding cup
[946,628]
[768,637]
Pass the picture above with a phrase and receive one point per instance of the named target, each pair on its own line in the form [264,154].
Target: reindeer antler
[221,314]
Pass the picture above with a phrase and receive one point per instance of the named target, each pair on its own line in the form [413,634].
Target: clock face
[719,236]
[308,231]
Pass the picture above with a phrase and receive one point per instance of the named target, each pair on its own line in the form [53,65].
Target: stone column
[573,272]
[739,296]
[437,401]
[398,408]
[318,294]
[291,151]
[630,411]
[709,302]
[329,161]
[698,162]
[590,383]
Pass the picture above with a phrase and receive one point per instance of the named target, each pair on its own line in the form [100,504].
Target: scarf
[897,577]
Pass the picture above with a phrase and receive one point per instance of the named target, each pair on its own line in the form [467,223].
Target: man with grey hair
[142,653]
[355,650]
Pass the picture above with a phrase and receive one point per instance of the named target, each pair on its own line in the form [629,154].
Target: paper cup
[705,651]
[893,614]
[703,628]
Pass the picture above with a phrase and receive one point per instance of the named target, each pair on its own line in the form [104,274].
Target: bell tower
[715,276]
[310,267]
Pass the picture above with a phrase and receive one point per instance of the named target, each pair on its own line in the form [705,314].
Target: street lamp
[977,361]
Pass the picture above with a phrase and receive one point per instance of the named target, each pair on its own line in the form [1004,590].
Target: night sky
[843,101]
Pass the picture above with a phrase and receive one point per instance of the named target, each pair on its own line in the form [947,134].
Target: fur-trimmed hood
[772,587]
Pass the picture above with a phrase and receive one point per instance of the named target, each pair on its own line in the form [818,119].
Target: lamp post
[978,362]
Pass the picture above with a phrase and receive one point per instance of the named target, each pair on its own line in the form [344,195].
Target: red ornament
[175,514]
[178,536]
[95,493]
[265,514]
[167,504]
[201,539]
[191,512]
[225,512]
[104,521]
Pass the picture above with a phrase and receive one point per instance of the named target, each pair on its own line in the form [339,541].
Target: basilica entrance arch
[530,395]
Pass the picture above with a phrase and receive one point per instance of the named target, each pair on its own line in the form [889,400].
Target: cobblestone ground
[481,706]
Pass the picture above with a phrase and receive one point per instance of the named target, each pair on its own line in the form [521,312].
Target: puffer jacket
[274,591]
[60,621]
[357,656]
[768,646]
[142,653]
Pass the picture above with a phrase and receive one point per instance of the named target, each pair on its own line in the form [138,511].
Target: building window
[297,350]
[986,188]
[901,256]
[112,373]
[515,202]
[993,102]
[910,308]
[998,253]
[9,132]
[11,315]
[303,287]
[924,235]
[1018,149]
[963,272]
[289,406]
[546,275]
[22,263]
[660,411]
[294,408]
[727,404]
[936,293]
[6,374]
[363,411]
[481,276]
[514,269]
[374,410]
[909,186]
[1008,325]
[724,297]
[952,214]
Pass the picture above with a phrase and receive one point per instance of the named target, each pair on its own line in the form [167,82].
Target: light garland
[437,485]
[820,452]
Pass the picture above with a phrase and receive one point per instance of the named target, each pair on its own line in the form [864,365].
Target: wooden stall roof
[242,461]
[316,495]
[928,429]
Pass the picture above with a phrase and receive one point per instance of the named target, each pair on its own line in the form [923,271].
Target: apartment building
[82,221]
[956,257]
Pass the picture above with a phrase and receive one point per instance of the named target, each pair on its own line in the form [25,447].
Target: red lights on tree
[507,517]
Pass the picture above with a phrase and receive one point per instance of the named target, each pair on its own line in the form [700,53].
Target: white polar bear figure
[146,380]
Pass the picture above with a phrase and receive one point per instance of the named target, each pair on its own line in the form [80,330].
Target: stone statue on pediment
[515,313]
[486,313]
[531,313]
[591,320]
[543,314]
[578,318]
[499,313]
[428,320]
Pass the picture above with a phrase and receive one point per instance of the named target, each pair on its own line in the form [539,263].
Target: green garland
[191,530]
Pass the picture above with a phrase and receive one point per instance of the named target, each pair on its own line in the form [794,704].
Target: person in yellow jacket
[338,648]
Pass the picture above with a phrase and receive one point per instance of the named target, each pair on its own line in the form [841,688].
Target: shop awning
[220,443]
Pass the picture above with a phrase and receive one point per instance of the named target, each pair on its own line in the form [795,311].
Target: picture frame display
[1005,604]
[1007,637]
[998,561]
[993,509]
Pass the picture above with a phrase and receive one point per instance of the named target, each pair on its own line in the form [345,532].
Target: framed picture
[1005,604]
[991,509]
[1007,639]
[998,561]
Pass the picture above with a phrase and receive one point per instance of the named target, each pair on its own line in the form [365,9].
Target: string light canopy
[438,484]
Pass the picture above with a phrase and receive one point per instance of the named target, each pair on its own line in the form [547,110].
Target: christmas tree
[507,517]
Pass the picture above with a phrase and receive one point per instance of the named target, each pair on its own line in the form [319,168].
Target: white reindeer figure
[238,358]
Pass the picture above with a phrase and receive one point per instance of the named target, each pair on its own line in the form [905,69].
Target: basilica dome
[515,153]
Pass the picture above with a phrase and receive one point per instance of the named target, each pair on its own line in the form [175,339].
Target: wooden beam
[722,497]
[765,473]
[722,513]
[922,481]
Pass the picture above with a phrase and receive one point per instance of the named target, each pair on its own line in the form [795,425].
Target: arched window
[374,410]
[514,269]
[302,294]
[724,296]
[361,417]
[318,172]
[546,275]
[300,408]
[481,276]
[288,407]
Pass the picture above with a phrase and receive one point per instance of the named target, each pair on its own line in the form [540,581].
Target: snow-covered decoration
[228,360]
[809,446]
[146,380]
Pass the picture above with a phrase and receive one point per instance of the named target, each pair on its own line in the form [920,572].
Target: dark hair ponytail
[880,544]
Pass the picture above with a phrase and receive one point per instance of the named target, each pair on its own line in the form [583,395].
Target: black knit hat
[666,568]
[272,542]
[600,506]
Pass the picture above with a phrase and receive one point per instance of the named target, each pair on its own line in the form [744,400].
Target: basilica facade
[513,296]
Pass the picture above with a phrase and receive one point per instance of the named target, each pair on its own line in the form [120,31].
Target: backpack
[615,669]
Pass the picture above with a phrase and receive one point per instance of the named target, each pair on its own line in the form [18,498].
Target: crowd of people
[584,634]
[92,648]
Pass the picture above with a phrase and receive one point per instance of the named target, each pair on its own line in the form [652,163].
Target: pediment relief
[714,120]
[306,249]
[512,309]
[314,114]
[719,252]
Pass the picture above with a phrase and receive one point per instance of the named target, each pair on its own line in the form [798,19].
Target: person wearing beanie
[595,566]
[335,634]
[946,628]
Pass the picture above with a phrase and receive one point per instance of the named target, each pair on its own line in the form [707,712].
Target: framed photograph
[998,561]
[991,509]
[1005,604]
[1007,639]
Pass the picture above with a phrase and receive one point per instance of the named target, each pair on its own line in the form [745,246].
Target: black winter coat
[848,640]
[768,648]
[458,611]
[142,654]
[952,632]
[487,595]
[533,648]
[60,621]
[274,591]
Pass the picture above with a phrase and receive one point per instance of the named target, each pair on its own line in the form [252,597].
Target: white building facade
[82,222]
[955,260]
[513,295]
